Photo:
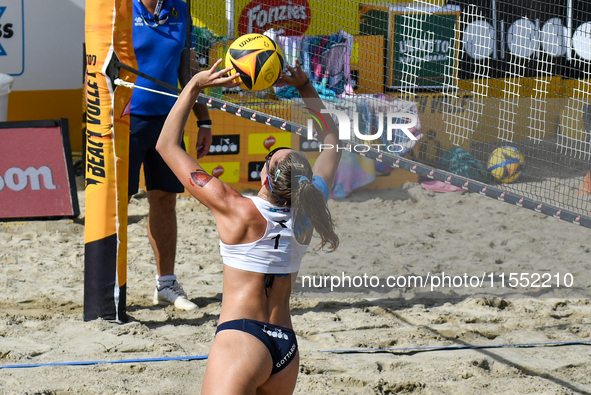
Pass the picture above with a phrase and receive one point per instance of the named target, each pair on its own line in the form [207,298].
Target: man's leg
[162,229]
[162,233]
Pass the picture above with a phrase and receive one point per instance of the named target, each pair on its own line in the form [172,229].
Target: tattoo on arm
[200,178]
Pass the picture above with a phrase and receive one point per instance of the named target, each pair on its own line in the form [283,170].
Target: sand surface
[408,232]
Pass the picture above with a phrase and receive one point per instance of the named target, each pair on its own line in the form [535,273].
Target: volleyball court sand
[408,231]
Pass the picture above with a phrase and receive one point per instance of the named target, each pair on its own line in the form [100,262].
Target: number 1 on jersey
[276,238]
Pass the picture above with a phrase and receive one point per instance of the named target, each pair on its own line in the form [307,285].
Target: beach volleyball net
[477,75]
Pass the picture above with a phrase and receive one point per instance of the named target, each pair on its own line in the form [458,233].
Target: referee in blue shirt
[159,35]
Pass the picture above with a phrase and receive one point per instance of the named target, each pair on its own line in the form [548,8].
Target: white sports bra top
[278,251]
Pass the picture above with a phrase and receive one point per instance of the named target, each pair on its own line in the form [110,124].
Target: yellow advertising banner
[262,143]
[295,16]
[228,172]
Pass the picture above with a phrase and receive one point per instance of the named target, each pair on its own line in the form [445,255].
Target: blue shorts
[144,133]
[281,342]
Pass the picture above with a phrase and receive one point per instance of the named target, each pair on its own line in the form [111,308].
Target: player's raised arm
[328,161]
[187,170]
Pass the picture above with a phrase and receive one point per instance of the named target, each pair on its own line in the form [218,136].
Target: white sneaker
[173,295]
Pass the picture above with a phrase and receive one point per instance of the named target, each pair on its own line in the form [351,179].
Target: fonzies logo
[260,15]
[392,124]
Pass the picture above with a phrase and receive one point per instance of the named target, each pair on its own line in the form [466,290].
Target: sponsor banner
[504,38]
[262,143]
[320,16]
[36,172]
[254,170]
[258,16]
[224,145]
[420,42]
[228,172]
[422,50]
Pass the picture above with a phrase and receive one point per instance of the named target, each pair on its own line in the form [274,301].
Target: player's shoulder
[242,208]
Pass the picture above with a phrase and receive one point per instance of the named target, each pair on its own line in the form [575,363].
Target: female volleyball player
[263,240]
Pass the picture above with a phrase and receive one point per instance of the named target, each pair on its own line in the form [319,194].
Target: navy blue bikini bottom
[281,342]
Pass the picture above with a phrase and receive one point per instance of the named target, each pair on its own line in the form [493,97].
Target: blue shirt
[158,51]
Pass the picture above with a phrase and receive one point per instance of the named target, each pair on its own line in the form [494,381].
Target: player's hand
[297,78]
[212,78]
[203,142]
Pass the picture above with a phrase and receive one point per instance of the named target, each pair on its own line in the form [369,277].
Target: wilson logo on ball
[258,60]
